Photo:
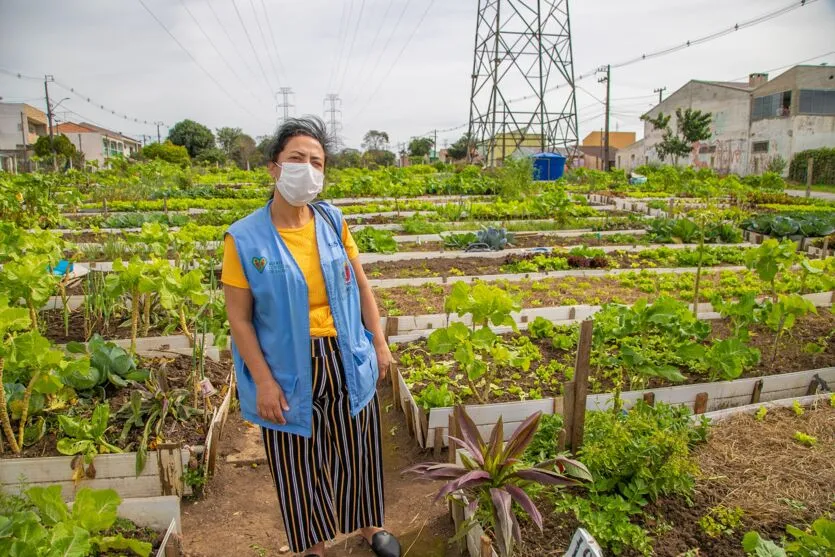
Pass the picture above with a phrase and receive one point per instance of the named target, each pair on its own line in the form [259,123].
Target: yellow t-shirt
[302,244]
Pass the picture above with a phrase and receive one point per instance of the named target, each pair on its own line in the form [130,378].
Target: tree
[691,126]
[195,137]
[212,155]
[347,158]
[420,146]
[168,152]
[459,150]
[227,139]
[378,157]
[375,140]
[63,146]
[245,153]
[263,147]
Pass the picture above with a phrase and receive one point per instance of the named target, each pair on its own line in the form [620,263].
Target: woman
[299,303]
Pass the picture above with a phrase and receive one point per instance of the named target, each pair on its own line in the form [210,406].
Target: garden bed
[754,465]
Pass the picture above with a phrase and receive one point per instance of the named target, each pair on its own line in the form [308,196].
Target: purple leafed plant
[493,476]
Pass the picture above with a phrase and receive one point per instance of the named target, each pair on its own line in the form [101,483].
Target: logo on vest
[260,263]
[347,273]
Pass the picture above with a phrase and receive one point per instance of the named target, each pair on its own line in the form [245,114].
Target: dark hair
[310,126]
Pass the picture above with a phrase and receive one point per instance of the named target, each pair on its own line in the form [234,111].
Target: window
[777,105]
[759,147]
[705,149]
[813,101]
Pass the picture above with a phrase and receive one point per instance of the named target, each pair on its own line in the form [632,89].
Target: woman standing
[307,368]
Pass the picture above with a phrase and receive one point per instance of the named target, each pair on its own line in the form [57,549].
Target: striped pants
[333,480]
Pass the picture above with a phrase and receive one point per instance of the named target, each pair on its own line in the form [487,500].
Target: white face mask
[299,183]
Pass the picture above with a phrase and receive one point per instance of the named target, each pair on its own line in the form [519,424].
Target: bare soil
[239,514]
[117,328]
[790,356]
[528,240]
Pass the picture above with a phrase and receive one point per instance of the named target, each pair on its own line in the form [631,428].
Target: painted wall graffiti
[724,156]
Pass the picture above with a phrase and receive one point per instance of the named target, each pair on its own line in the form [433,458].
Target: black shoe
[383,544]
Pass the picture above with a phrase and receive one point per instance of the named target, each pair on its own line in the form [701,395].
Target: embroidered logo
[259,263]
[347,273]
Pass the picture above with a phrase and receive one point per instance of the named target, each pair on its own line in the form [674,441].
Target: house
[515,144]
[753,122]
[618,140]
[20,127]
[97,143]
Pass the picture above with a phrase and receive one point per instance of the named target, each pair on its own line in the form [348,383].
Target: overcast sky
[118,55]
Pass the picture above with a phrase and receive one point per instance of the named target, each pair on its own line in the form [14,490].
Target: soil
[790,356]
[238,513]
[541,240]
[53,320]
[750,464]
[468,266]
[177,371]
[429,298]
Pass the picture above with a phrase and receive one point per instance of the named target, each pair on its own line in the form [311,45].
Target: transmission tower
[333,118]
[522,52]
[283,105]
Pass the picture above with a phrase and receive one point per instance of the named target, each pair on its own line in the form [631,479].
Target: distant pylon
[333,118]
[283,105]
[522,52]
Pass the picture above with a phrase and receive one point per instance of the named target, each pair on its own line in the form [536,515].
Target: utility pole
[435,143]
[46,80]
[158,124]
[285,105]
[660,90]
[333,116]
[607,68]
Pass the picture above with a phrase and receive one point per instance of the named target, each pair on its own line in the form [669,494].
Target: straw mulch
[758,466]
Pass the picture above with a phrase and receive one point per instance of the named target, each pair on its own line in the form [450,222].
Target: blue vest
[281,318]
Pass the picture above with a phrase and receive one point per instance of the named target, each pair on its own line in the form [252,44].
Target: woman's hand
[270,401]
[384,358]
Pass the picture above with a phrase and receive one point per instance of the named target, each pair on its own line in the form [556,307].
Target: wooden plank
[758,390]
[167,541]
[701,403]
[126,487]
[719,415]
[410,422]
[395,383]
[482,414]
[48,468]
[423,423]
[152,512]
[452,429]
[438,443]
[212,446]
[649,398]
[561,440]
[170,469]
[486,546]
[581,384]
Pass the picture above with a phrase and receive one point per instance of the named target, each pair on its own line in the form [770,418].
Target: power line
[264,40]
[790,65]
[388,42]
[351,48]
[344,26]
[272,38]
[701,40]
[217,50]
[399,54]
[252,46]
[234,43]
[367,57]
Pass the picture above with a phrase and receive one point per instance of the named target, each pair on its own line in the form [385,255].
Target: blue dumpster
[548,166]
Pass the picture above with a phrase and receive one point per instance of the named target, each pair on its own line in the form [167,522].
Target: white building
[752,123]
[20,126]
[96,143]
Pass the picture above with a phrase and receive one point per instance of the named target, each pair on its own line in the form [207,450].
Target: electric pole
[284,105]
[158,124]
[46,80]
[660,90]
[333,116]
[607,69]
[435,144]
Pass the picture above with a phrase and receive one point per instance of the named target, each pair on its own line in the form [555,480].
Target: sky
[400,66]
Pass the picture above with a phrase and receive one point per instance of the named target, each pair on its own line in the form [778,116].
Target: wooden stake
[410,422]
[568,411]
[438,443]
[825,247]
[486,547]
[581,384]
[649,398]
[452,431]
[392,327]
[395,384]
[423,418]
[561,440]
[170,462]
[758,389]
[701,403]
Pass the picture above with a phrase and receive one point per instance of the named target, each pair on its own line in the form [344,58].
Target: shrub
[823,169]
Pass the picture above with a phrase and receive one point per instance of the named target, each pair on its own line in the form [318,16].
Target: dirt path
[239,515]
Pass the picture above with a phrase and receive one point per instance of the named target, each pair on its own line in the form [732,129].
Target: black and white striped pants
[332,481]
